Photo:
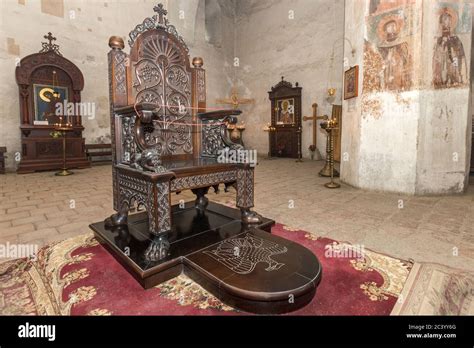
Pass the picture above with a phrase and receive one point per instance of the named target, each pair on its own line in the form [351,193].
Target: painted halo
[452,13]
[382,35]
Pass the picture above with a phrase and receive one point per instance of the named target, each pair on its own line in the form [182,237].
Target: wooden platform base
[244,266]
[31,166]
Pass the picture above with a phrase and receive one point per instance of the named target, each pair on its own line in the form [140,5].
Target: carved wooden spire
[161,13]
[50,46]
[157,21]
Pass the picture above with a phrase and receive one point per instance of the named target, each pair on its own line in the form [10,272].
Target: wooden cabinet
[285,137]
[45,79]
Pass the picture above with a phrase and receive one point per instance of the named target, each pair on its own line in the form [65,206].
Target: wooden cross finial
[50,38]
[161,13]
[50,46]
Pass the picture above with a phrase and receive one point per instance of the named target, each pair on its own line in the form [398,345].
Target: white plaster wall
[269,45]
[83,38]
[442,151]
[444,131]
[354,32]
[388,143]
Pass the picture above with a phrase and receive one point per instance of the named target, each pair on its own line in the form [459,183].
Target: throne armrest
[145,111]
[149,176]
[220,115]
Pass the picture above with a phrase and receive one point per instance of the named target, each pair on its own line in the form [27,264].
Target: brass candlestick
[330,126]
[61,131]
[327,171]
[300,156]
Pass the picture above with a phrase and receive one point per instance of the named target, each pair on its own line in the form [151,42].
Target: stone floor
[40,208]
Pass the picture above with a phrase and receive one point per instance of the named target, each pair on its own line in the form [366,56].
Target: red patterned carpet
[79,277]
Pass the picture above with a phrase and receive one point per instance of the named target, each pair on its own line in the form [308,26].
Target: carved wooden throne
[163,140]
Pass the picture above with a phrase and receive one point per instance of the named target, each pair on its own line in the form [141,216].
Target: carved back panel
[161,75]
[157,71]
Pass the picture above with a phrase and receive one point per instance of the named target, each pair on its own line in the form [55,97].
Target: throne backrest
[161,76]
[157,71]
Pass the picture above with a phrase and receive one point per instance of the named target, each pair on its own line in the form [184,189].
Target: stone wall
[82,29]
[294,39]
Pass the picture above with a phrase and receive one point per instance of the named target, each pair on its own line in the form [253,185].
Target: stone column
[408,131]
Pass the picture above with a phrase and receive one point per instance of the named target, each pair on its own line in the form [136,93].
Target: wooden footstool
[245,267]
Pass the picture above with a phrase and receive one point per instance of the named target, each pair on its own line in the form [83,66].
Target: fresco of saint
[449,59]
[397,71]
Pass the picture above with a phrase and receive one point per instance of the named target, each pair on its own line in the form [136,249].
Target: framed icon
[351,83]
[45,99]
[286,111]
